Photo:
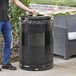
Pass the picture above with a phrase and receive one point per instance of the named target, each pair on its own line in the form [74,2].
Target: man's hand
[31,11]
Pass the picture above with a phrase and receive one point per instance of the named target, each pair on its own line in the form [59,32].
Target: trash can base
[36,68]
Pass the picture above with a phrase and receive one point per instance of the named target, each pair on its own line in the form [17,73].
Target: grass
[55,2]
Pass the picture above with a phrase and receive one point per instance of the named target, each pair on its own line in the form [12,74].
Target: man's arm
[22,6]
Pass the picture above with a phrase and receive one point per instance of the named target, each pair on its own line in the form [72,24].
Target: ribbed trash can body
[36,48]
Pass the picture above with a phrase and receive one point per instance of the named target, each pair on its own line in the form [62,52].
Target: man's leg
[6,31]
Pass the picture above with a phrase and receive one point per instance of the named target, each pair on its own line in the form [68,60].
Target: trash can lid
[36,17]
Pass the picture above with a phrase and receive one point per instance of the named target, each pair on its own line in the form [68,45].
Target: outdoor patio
[61,67]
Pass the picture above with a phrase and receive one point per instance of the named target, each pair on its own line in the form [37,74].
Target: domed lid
[40,17]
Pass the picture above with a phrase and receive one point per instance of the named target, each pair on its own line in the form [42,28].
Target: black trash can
[36,52]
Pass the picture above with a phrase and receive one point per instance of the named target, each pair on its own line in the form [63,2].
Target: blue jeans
[5,29]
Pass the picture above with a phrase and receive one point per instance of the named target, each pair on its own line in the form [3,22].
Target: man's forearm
[21,5]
